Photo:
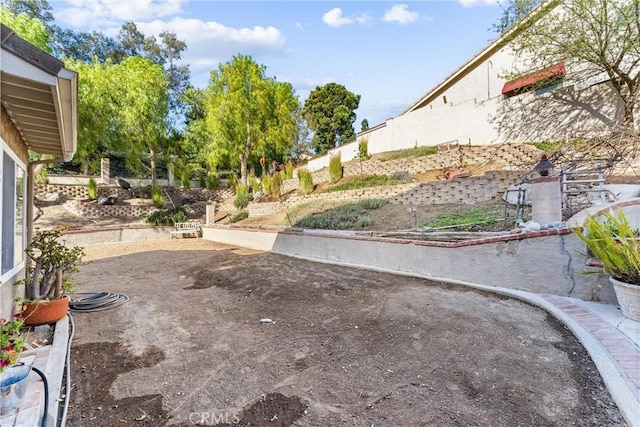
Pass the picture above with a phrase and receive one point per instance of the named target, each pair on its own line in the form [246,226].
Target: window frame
[17,162]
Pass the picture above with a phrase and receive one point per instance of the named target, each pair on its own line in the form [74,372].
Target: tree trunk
[152,155]
[243,169]
[244,157]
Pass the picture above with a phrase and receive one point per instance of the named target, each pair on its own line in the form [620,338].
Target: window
[540,82]
[12,214]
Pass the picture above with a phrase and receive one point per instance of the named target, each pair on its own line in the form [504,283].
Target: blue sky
[390,53]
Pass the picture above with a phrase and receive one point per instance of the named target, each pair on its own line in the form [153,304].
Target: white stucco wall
[477,113]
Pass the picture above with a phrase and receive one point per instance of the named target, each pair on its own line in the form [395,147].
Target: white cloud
[95,14]
[364,18]
[209,42]
[399,13]
[471,3]
[334,18]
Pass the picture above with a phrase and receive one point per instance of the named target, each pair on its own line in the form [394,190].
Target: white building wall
[477,113]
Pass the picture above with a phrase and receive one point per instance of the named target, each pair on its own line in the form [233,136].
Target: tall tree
[302,144]
[364,125]
[38,9]
[121,107]
[86,47]
[29,29]
[99,122]
[330,112]
[143,108]
[513,12]
[170,50]
[593,38]
[195,134]
[248,113]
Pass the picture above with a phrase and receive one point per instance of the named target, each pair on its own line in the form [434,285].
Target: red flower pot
[43,312]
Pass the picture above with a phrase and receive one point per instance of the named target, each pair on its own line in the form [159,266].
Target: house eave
[40,97]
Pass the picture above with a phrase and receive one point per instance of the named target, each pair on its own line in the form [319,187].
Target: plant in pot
[614,242]
[13,376]
[49,277]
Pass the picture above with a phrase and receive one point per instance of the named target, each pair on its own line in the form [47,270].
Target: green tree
[29,29]
[143,109]
[514,11]
[195,135]
[302,142]
[99,127]
[121,108]
[330,112]
[364,125]
[593,38]
[248,113]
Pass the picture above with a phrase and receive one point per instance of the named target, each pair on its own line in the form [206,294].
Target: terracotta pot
[628,298]
[43,312]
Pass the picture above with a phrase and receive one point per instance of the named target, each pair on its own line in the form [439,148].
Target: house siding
[11,137]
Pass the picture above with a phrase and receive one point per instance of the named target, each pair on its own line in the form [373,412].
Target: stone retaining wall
[469,190]
[264,209]
[94,210]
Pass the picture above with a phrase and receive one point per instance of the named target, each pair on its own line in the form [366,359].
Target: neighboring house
[477,105]
[38,114]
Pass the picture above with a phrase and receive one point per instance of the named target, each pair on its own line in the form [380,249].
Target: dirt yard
[218,335]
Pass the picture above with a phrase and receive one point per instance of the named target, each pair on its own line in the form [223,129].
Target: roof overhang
[40,96]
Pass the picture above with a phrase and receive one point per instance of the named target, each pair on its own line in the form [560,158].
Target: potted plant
[49,277]
[615,243]
[13,376]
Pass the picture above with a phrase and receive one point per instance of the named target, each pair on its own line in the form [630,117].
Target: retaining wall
[542,262]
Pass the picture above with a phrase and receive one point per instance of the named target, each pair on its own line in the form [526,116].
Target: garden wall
[542,262]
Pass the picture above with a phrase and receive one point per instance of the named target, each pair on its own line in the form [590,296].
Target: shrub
[288,170]
[306,181]
[254,183]
[242,197]
[410,152]
[366,182]
[92,189]
[202,178]
[335,167]
[341,217]
[166,216]
[276,185]
[239,217]
[232,180]
[371,204]
[157,197]
[363,149]
[185,177]
[267,184]
[212,181]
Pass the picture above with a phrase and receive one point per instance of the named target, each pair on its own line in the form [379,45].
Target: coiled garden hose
[96,301]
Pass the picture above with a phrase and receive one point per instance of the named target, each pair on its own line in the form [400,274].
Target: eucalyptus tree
[248,113]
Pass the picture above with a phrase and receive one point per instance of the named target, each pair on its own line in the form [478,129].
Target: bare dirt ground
[344,347]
